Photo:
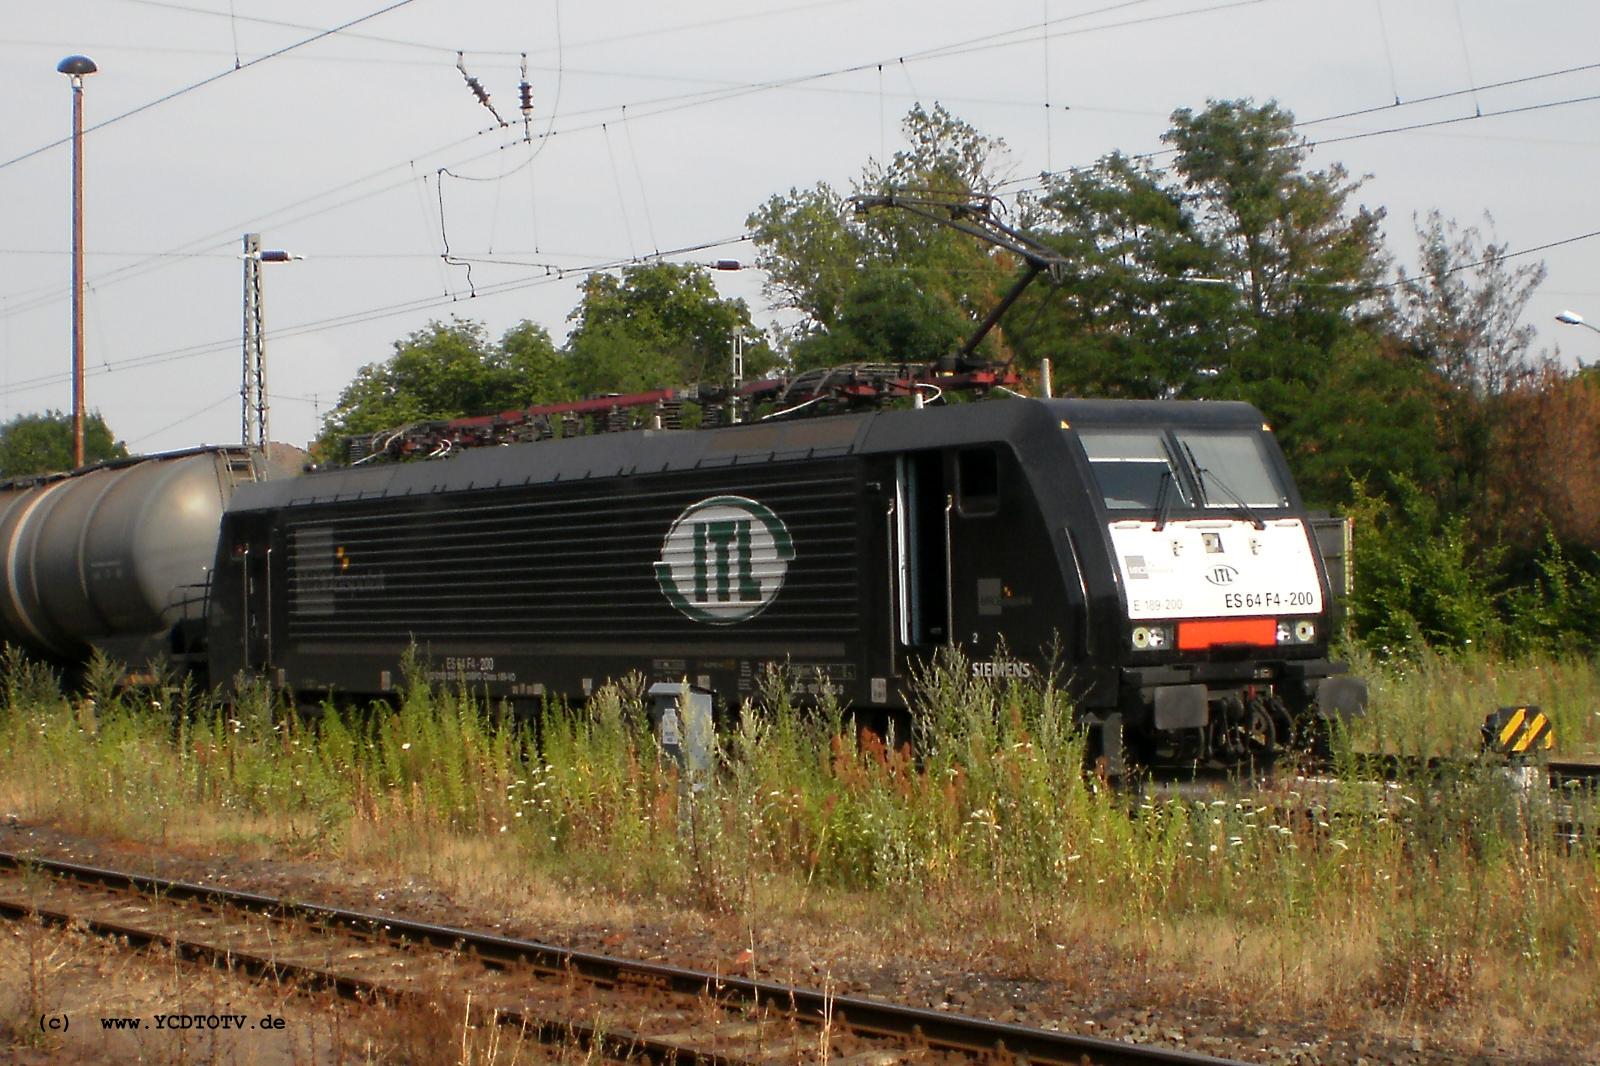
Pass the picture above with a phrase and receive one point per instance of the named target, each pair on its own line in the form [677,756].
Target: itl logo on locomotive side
[724,560]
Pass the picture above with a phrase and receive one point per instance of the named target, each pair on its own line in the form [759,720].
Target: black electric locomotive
[1154,554]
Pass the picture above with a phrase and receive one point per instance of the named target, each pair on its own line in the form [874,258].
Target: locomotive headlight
[1151,638]
[1285,633]
[1305,631]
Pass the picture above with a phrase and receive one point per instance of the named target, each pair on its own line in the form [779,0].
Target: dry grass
[48,972]
[991,854]
[1434,704]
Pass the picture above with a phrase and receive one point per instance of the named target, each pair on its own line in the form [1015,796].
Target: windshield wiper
[1163,495]
[1201,474]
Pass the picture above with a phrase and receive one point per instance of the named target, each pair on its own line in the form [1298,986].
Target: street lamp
[253,390]
[1572,318]
[76,68]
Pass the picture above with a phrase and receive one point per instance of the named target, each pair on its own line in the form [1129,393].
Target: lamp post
[1572,318]
[253,389]
[76,68]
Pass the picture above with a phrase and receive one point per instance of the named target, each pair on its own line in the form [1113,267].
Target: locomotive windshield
[1231,468]
[1157,469]
[1132,467]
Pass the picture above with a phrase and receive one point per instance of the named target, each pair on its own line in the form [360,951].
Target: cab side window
[977,481]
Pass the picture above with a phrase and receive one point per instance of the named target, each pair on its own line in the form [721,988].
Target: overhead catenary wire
[681,101]
[548,275]
[518,284]
[13,306]
[638,175]
[697,99]
[1476,117]
[196,413]
[57,292]
[223,238]
[1466,57]
[435,47]
[616,179]
[555,106]
[226,236]
[1472,90]
[233,26]
[444,236]
[202,83]
[1487,260]
[1358,135]
[1388,54]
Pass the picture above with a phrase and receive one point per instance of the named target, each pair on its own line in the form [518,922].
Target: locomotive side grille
[561,563]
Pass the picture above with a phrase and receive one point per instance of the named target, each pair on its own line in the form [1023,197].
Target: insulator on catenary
[525,89]
[477,88]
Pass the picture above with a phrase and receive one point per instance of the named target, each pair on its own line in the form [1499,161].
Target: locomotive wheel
[1258,736]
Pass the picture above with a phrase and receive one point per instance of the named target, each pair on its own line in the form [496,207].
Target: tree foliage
[1234,269]
[844,271]
[1235,272]
[42,443]
[1419,578]
[1464,308]
[446,370]
[657,325]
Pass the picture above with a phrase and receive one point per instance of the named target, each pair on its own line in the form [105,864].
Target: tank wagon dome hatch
[117,556]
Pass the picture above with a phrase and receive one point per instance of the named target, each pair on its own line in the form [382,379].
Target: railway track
[1562,796]
[1559,773]
[622,1008]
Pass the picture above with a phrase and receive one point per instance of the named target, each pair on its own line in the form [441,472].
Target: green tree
[537,369]
[839,270]
[1419,580]
[1462,313]
[42,443]
[658,325]
[1126,319]
[1239,273]
[447,370]
[1235,267]
[885,315]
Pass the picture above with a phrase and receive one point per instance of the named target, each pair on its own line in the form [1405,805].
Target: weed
[1436,893]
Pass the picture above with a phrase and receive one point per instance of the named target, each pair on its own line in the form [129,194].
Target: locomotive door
[949,539]
[923,504]
[252,551]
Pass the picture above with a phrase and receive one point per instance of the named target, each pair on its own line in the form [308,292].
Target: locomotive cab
[1221,601]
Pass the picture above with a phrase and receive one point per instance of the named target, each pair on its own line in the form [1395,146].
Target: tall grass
[1431,895]
[1434,703]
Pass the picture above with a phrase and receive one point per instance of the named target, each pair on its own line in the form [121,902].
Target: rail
[917,1030]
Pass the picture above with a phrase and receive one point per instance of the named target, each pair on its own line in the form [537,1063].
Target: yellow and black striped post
[1518,731]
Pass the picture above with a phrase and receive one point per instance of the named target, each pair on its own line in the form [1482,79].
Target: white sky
[669,128]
